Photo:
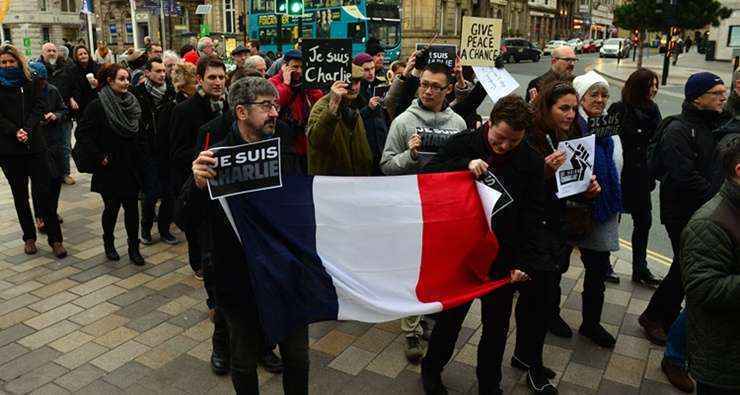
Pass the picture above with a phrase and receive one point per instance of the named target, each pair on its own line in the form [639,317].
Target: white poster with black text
[574,176]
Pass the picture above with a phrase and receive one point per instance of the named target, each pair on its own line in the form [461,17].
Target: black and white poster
[246,168]
[440,53]
[326,61]
[433,139]
[574,176]
[381,90]
[605,125]
[490,180]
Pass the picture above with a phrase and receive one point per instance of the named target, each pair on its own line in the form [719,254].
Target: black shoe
[168,238]
[558,327]
[271,362]
[598,335]
[219,365]
[538,382]
[432,383]
[517,363]
[612,278]
[646,278]
[413,350]
[134,255]
[146,236]
[110,250]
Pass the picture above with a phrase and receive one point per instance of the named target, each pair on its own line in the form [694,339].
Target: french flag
[368,249]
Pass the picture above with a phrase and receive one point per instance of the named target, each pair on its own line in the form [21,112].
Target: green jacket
[334,147]
[710,261]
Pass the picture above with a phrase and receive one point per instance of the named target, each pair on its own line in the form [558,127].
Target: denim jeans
[675,349]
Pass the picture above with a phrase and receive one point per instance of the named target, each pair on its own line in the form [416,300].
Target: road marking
[662,259]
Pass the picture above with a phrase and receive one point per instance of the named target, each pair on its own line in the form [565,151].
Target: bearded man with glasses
[561,68]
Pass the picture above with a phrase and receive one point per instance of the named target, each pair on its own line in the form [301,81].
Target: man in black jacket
[152,94]
[686,152]
[561,66]
[254,103]
[496,148]
[187,117]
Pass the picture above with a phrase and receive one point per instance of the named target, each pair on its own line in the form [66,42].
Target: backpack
[655,166]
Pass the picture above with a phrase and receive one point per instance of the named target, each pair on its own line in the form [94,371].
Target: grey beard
[52,61]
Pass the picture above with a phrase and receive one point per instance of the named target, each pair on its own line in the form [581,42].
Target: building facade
[727,34]
[542,27]
[31,23]
[595,19]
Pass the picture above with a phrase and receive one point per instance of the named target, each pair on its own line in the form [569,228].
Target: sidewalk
[87,325]
[688,64]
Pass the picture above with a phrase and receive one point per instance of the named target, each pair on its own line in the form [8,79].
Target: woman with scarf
[639,117]
[109,133]
[596,246]
[81,84]
[23,148]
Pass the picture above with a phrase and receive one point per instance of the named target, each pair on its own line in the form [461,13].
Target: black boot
[110,249]
[133,253]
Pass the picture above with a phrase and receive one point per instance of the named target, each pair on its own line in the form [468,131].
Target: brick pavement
[86,325]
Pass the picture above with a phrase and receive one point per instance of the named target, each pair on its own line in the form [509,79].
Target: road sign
[203,9]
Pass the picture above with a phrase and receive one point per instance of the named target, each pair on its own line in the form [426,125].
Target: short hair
[251,61]
[183,76]
[438,68]
[170,55]
[247,89]
[729,155]
[255,44]
[185,49]
[150,62]
[636,90]
[202,42]
[109,71]
[149,47]
[513,110]
[397,64]
[208,61]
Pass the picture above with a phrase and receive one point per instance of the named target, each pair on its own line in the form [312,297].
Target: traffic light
[295,7]
[281,6]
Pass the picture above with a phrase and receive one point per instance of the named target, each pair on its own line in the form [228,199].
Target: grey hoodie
[396,157]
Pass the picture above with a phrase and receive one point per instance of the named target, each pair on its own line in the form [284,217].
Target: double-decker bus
[359,20]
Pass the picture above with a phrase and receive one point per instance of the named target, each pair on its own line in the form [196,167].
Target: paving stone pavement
[87,325]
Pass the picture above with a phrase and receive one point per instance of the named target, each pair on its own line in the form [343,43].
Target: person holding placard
[561,67]
[254,104]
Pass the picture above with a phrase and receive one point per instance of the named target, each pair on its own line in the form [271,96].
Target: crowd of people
[144,129]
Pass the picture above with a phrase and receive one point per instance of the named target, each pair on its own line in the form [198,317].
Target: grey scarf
[157,92]
[122,111]
[217,106]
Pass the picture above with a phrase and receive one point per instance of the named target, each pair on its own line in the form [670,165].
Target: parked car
[614,48]
[589,46]
[576,44]
[518,49]
[554,44]
[598,43]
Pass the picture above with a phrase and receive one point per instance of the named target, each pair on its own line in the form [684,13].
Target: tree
[659,15]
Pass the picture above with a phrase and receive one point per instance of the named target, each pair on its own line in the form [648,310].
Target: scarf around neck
[609,201]
[157,92]
[12,77]
[122,111]
[217,106]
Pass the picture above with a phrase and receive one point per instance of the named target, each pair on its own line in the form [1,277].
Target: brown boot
[653,330]
[59,250]
[30,247]
[678,376]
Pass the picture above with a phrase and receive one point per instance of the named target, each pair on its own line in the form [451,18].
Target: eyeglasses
[266,105]
[722,93]
[434,88]
[569,60]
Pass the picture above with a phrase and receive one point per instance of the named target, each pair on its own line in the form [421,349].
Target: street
[669,103]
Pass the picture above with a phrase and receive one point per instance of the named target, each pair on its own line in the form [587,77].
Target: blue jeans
[675,350]
[66,145]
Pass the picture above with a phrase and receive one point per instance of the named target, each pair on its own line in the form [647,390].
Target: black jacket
[185,121]
[468,107]
[77,86]
[521,173]
[688,148]
[56,73]
[376,130]
[21,108]
[149,125]
[638,128]
[535,84]
[121,177]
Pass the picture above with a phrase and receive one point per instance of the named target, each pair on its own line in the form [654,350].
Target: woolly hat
[583,83]
[291,55]
[362,58]
[38,69]
[699,84]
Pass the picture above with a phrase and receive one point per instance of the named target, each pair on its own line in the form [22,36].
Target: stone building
[31,23]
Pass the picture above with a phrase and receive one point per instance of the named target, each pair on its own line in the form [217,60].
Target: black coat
[468,107]
[521,171]
[56,73]
[149,125]
[185,121]
[121,177]
[21,108]
[53,132]
[535,84]
[77,86]
[638,128]
[376,130]
[687,148]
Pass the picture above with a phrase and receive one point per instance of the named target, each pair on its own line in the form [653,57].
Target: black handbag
[83,159]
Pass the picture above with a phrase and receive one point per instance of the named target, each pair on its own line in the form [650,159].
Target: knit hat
[38,69]
[699,84]
[362,58]
[293,54]
[373,49]
[583,83]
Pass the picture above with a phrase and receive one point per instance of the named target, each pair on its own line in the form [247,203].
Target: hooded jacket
[396,157]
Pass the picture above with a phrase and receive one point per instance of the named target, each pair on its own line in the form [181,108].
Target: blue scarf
[12,77]
[609,201]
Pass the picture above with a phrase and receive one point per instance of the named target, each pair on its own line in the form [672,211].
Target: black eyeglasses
[569,60]
[265,105]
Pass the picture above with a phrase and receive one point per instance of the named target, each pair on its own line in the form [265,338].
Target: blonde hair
[183,78]
[14,52]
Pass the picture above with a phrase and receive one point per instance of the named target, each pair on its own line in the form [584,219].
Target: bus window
[389,33]
[263,5]
[356,31]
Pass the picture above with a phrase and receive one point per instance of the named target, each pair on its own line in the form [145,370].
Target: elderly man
[256,63]
[170,59]
[239,55]
[561,66]
[205,47]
